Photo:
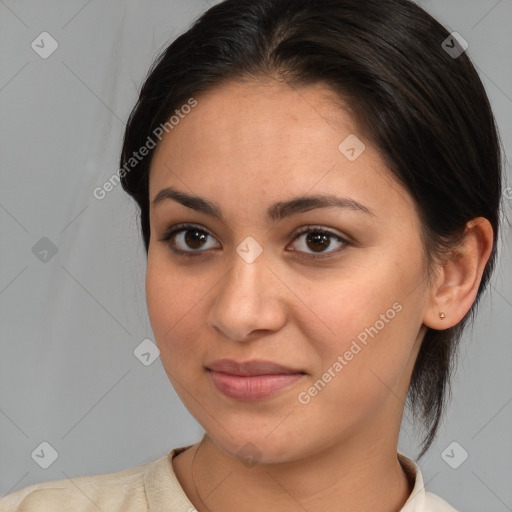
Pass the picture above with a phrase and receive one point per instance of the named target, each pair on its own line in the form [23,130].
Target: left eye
[318,240]
[190,240]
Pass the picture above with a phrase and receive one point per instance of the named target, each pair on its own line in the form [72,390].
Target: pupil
[194,241]
[318,238]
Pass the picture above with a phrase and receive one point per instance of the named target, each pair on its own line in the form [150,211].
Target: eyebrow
[276,211]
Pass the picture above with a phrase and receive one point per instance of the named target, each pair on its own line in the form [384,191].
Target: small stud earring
[442,315]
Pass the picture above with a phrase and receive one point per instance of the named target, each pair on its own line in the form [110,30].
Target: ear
[455,287]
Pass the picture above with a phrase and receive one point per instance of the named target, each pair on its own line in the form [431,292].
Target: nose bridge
[243,280]
[245,299]
[249,270]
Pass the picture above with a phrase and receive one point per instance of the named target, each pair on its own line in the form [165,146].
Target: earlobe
[456,285]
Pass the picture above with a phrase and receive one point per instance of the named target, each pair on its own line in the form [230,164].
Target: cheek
[370,320]
[173,306]
[347,307]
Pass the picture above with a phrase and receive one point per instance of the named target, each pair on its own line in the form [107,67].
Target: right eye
[187,239]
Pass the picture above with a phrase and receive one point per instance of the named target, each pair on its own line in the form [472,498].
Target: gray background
[69,325]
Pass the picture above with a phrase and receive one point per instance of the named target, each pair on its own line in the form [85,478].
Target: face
[331,286]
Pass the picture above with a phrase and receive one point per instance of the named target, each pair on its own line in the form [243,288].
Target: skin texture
[244,147]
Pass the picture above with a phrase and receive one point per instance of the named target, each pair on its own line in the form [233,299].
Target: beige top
[153,487]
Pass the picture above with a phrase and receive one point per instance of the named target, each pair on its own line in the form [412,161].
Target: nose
[248,301]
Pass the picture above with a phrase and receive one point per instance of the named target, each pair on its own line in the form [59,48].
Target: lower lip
[254,387]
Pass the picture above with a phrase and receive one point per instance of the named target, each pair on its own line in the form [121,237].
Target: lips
[252,380]
[248,368]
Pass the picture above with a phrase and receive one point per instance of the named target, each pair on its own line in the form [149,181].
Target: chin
[260,447]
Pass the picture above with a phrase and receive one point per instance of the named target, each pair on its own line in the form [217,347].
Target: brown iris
[321,240]
[195,238]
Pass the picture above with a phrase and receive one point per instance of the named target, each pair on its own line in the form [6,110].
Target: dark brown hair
[423,107]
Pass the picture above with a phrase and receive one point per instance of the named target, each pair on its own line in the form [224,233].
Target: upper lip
[247,368]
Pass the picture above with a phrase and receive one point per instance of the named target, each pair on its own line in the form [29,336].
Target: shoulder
[420,500]
[112,492]
[434,503]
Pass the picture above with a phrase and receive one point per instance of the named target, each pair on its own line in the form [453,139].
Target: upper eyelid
[304,229]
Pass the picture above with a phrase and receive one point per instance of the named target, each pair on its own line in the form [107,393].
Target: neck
[350,476]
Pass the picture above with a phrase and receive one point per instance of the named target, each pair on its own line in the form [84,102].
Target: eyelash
[166,238]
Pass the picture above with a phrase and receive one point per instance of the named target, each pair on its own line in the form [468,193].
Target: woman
[319,187]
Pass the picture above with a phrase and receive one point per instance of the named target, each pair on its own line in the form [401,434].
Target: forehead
[253,113]
[263,139]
